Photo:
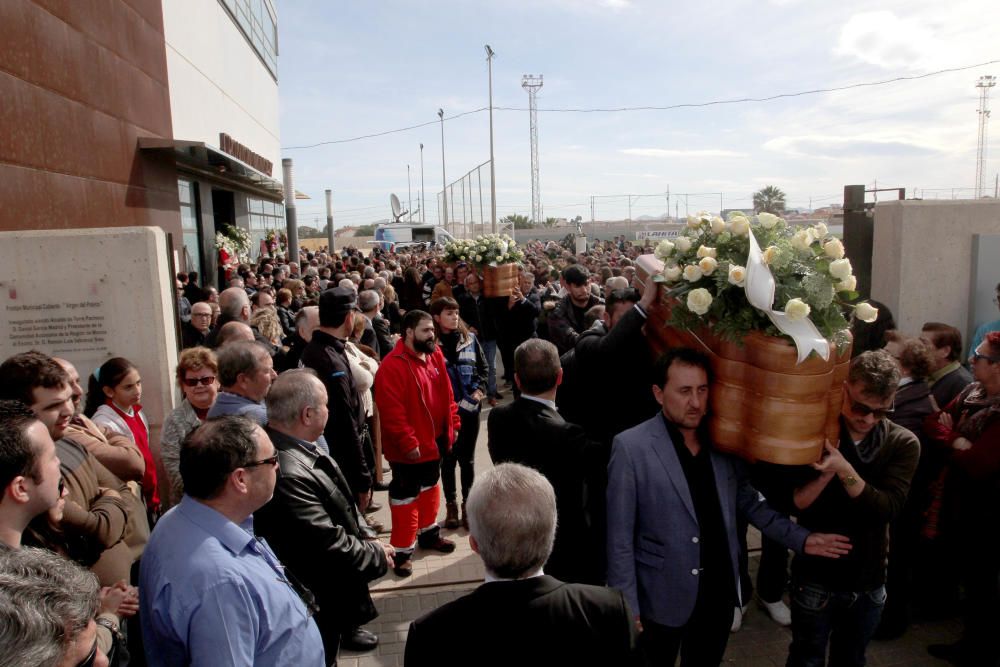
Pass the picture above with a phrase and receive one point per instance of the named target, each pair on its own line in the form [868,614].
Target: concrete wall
[80,82]
[87,311]
[217,82]
[922,259]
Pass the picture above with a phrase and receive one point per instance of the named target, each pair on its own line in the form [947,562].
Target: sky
[348,69]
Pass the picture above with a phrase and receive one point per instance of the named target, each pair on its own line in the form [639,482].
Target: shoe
[493,401]
[375,524]
[380,486]
[442,545]
[778,611]
[403,569]
[738,613]
[497,395]
[451,521]
[951,653]
[359,639]
[465,517]
[373,507]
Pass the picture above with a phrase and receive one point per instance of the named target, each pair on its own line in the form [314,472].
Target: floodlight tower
[984,84]
[532,84]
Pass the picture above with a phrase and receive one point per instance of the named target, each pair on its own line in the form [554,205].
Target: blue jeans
[846,621]
[490,350]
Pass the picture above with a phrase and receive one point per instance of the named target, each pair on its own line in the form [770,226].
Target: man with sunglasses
[856,489]
[211,592]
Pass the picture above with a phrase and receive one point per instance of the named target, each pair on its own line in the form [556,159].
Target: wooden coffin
[764,405]
[499,280]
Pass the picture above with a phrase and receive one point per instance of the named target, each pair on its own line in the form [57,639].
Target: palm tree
[769,199]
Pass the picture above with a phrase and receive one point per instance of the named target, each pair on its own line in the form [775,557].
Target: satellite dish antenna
[397,208]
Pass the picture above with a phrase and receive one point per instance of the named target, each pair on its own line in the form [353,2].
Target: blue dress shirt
[213,595]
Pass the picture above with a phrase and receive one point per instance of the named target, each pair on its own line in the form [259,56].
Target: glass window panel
[184,191]
[188,220]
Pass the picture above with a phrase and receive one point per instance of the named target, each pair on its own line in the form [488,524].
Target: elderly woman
[197,376]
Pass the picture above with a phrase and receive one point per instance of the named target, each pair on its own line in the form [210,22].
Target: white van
[405,235]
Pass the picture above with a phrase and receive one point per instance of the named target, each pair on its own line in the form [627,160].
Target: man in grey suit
[672,504]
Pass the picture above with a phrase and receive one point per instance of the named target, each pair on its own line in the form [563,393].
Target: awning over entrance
[200,157]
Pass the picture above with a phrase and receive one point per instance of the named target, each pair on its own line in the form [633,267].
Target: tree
[519,221]
[551,222]
[365,230]
[769,199]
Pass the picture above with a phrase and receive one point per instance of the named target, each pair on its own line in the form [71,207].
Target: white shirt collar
[543,401]
[490,578]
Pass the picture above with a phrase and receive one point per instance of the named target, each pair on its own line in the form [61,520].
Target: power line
[684,105]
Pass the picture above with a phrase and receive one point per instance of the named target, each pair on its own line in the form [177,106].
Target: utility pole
[532,84]
[984,84]
[291,218]
[423,201]
[329,220]
[493,171]
[444,181]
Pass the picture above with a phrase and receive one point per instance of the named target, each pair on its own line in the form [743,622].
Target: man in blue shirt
[211,593]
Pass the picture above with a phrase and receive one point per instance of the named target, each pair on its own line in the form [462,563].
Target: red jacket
[415,404]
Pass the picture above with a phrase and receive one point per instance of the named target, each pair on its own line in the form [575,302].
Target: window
[189,226]
[264,215]
[258,23]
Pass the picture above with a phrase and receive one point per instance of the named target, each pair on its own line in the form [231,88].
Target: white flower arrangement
[486,250]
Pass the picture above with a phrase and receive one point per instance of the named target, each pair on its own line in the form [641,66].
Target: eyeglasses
[976,357]
[862,410]
[273,461]
[209,314]
[91,658]
[204,381]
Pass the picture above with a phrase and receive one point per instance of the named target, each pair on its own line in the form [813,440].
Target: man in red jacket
[419,419]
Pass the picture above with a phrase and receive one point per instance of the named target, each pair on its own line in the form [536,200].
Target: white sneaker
[778,611]
[737,618]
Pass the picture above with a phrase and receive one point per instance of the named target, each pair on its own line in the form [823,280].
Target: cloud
[680,152]
[884,39]
[835,147]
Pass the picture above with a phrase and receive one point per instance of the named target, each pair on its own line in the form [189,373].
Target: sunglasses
[862,410]
[91,659]
[273,461]
[194,382]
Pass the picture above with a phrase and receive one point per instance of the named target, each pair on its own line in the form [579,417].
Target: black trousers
[463,452]
[701,642]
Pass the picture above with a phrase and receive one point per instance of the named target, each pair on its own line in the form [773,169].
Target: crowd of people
[611,531]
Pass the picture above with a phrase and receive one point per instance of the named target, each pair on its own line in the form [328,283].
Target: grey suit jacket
[653,534]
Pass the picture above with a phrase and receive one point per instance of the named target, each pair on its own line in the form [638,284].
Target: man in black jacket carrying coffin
[313,522]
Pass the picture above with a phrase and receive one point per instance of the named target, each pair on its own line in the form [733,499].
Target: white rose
[479,258]
[693,222]
[737,275]
[802,239]
[739,226]
[692,273]
[462,258]
[699,301]
[796,309]
[767,220]
[866,312]
[683,244]
[840,268]
[768,255]
[672,273]
[848,284]
[718,225]
[705,251]
[834,249]
[708,265]
[664,249]
[820,230]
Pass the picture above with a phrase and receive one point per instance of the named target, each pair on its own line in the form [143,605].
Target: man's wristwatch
[110,625]
[849,481]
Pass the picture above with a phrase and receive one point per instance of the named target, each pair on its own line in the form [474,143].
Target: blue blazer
[653,534]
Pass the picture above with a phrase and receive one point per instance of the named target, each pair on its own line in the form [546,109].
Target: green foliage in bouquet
[705,271]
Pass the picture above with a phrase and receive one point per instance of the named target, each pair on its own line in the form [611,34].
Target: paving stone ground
[437,579]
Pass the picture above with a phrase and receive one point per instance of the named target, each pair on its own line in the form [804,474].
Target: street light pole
[493,171]
[444,181]
[423,201]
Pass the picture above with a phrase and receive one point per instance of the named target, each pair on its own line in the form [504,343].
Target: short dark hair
[684,356]
[17,456]
[576,275]
[627,295]
[236,358]
[536,364]
[876,371]
[945,335]
[212,451]
[20,374]
[412,319]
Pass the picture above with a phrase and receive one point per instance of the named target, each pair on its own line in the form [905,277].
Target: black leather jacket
[315,528]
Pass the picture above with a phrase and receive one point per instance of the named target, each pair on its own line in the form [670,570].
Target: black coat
[381,327]
[539,621]
[325,354]
[533,434]
[318,533]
